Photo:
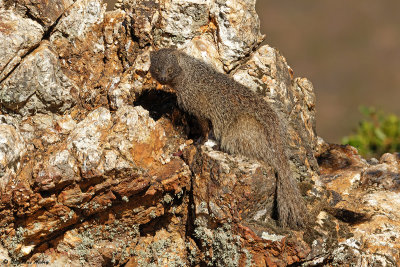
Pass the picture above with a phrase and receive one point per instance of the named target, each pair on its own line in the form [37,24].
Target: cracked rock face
[38,85]
[12,149]
[233,23]
[238,29]
[18,36]
[99,166]
[366,197]
[46,12]
[79,19]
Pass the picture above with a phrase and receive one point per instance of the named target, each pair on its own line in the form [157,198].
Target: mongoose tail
[290,205]
[260,135]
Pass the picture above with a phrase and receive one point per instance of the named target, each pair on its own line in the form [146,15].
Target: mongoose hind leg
[245,137]
[249,137]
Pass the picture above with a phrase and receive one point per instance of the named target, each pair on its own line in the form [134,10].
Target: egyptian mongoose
[242,121]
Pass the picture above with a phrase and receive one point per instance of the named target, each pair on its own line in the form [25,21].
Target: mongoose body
[242,122]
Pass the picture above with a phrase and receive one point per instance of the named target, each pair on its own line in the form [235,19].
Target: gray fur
[242,122]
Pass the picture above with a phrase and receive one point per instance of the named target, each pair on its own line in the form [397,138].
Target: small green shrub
[376,134]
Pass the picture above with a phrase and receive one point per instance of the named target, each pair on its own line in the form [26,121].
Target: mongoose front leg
[204,125]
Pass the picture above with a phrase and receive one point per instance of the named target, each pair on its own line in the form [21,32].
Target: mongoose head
[164,65]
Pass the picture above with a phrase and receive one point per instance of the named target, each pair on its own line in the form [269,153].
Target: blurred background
[350,50]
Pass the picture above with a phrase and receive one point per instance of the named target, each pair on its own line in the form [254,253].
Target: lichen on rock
[99,166]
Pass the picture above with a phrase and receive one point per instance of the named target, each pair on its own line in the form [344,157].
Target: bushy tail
[290,204]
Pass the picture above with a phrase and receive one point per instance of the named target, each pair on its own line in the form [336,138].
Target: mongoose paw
[201,140]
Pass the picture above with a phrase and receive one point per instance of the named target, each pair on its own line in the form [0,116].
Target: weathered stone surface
[38,85]
[236,181]
[87,140]
[180,20]
[79,19]
[233,211]
[162,249]
[174,22]
[142,15]
[109,164]
[124,90]
[43,130]
[238,29]
[203,47]
[364,196]
[94,48]
[98,166]
[60,170]
[47,12]
[12,148]
[18,36]
[4,256]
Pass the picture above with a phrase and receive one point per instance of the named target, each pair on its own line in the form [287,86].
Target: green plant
[377,134]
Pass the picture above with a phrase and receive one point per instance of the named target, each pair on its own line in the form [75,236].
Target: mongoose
[242,122]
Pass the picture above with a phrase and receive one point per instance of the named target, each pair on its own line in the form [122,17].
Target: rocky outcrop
[98,166]
[364,196]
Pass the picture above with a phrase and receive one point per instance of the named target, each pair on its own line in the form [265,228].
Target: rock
[106,161]
[372,220]
[4,256]
[86,141]
[238,29]
[142,15]
[94,48]
[99,167]
[181,20]
[133,82]
[19,36]
[46,12]
[162,249]
[178,22]
[12,149]
[38,85]
[233,209]
[43,130]
[352,254]
[78,20]
[60,170]
[204,48]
